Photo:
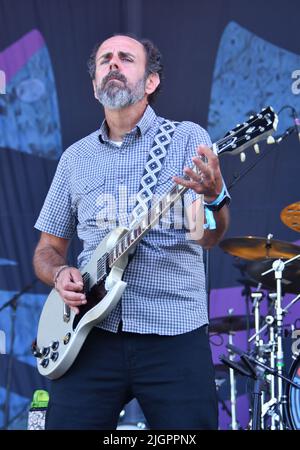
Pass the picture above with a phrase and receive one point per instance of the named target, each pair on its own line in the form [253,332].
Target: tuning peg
[270,140]
[243,157]
[256,149]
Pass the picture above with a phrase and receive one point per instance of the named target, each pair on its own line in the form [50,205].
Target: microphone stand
[253,368]
[13,303]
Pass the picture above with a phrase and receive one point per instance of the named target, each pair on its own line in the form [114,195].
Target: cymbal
[290,275]
[254,248]
[229,323]
[290,216]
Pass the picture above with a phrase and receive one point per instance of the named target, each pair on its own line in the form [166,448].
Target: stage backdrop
[224,60]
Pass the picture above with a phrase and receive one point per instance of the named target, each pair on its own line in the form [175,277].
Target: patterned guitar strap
[153,166]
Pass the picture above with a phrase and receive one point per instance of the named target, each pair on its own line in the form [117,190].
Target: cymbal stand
[270,322]
[278,267]
[234,423]
[256,298]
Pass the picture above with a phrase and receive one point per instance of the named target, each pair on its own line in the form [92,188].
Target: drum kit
[273,268]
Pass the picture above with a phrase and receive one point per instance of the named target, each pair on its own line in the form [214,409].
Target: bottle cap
[40,399]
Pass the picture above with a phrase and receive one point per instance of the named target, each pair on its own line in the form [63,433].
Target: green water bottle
[37,411]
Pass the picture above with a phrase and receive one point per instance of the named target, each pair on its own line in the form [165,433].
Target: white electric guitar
[61,332]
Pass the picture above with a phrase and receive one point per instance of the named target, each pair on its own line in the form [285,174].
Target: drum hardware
[269,400]
[234,424]
[290,279]
[256,298]
[285,311]
[252,367]
[278,267]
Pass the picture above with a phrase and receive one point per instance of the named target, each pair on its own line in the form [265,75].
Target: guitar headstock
[257,128]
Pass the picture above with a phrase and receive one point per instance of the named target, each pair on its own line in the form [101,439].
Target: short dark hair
[154,62]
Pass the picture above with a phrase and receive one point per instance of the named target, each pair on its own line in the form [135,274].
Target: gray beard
[119,96]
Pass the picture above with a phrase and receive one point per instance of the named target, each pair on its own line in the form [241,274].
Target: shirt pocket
[88,198]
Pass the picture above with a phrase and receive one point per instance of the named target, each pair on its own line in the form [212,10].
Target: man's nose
[113,65]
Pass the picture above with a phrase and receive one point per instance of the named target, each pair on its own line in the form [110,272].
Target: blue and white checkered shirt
[96,180]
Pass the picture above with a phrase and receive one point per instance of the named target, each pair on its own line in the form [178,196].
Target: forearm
[212,237]
[46,262]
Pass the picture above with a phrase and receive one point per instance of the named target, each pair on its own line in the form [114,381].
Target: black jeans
[172,377]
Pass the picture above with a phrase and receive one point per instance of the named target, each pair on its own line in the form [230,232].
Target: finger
[76,276]
[200,164]
[189,184]
[197,177]
[76,310]
[71,286]
[73,304]
[73,297]
[205,151]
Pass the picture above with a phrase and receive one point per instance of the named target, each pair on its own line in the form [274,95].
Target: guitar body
[59,341]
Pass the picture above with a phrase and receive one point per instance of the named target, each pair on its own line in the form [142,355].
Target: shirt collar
[141,127]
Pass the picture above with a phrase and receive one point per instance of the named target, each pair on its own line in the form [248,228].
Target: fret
[132,236]
[115,253]
[158,209]
[144,223]
[119,249]
[126,243]
[138,232]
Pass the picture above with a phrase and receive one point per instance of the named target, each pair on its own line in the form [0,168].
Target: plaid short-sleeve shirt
[94,190]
